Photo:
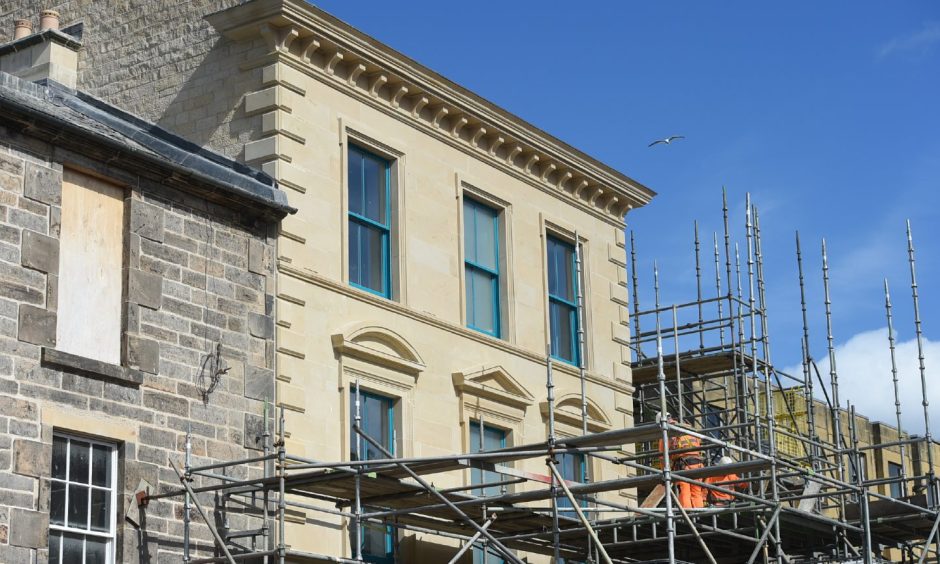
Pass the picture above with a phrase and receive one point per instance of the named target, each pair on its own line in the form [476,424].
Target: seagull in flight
[667,140]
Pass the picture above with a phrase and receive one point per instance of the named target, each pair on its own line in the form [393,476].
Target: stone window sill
[91,368]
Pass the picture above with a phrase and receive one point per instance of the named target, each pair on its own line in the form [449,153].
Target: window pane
[78,461]
[72,548]
[493,438]
[373,243]
[375,189]
[59,454]
[78,507]
[480,235]
[57,504]
[367,255]
[55,540]
[354,182]
[560,270]
[571,467]
[375,423]
[101,466]
[492,556]
[481,300]
[375,539]
[894,471]
[486,238]
[562,319]
[376,413]
[469,231]
[100,510]
[355,251]
[96,551]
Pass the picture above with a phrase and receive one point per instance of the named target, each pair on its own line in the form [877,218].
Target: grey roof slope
[57,107]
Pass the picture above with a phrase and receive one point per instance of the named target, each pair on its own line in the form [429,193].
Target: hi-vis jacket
[681,443]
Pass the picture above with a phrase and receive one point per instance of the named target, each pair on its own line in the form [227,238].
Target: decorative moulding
[493,383]
[318,44]
[403,358]
[568,411]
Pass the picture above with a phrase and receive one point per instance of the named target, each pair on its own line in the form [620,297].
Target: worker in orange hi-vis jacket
[727,481]
[683,455]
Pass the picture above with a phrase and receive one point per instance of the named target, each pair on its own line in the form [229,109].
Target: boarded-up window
[90,268]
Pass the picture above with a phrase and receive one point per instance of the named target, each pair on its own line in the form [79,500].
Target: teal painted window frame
[388,406]
[471,266]
[563,304]
[359,220]
[492,555]
[483,476]
[579,463]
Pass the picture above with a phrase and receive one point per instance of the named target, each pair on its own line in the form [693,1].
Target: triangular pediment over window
[493,383]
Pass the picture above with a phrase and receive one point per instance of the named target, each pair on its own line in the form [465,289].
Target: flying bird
[667,140]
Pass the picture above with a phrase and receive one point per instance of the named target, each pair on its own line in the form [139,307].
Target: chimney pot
[48,19]
[22,28]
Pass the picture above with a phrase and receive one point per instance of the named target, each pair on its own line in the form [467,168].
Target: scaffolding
[799,494]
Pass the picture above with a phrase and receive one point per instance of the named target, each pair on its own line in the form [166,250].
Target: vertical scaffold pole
[807,361]
[358,477]
[698,288]
[582,363]
[897,395]
[281,486]
[721,323]
[582,349]
[482,445]
[762,312]
[550,396]
[187,503]
[752,316]
[739,399]
[664,425]
[724,213]
[862,492]
[834,385]
[266,446]
[679,390]
[928,441]
[636,300]
[743,387]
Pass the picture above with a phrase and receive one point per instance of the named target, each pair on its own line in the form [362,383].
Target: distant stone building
[136,304]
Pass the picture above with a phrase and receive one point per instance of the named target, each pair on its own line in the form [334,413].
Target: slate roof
[87,121]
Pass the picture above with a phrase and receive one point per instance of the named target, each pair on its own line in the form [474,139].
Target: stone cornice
[378,74]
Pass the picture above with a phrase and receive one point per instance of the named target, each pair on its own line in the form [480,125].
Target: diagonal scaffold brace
[463,516]
[189,490]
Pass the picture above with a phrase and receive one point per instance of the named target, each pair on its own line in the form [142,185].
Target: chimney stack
[22,28]
[48,19]
[46,54]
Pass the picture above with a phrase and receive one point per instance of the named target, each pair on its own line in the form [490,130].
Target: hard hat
[725,460]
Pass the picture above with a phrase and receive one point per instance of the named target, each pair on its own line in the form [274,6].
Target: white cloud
[864,369]
[916,43]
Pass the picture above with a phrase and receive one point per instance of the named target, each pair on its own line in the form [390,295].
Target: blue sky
[827,112]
